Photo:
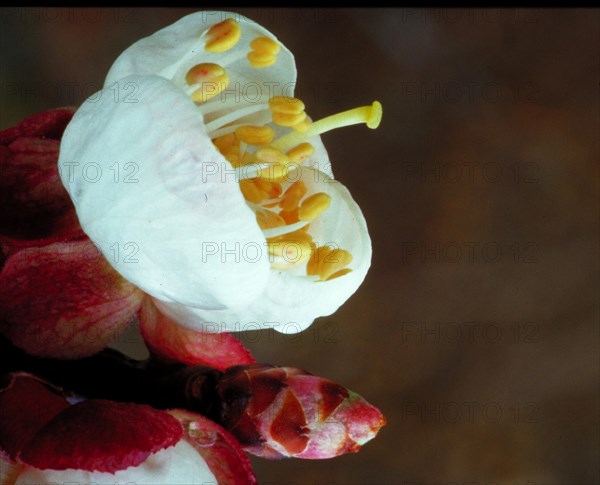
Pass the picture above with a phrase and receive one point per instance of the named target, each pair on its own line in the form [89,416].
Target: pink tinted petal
[172,341]
[33,200]
[64,300]
[221,451]
[105,436]
[26,405]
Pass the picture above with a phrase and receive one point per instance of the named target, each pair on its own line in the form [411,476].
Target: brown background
[476,330]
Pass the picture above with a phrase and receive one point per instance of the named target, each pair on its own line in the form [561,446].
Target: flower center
[284,206]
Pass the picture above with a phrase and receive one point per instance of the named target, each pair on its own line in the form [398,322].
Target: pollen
[313,206]
[255,135]
[223,36]
[206,81]
[264,52]
[328,262]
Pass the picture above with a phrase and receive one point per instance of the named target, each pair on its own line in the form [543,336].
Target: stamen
[255,135]
[255,190]
[313,206]
[290,250]
[251,192]
[264,52]
[290,216]
[284,104]
[293,195]
[289,120]
[223,36]
[371,115]
[287,229]
[225,141]
[233,116]
[206,80]
[268,219]
[299,154]
[277,163]
[328,262]
[289,112]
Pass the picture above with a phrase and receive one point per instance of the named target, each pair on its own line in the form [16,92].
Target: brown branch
[112,375]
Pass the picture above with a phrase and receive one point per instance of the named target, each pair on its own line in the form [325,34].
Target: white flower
[196,173]
[177,465]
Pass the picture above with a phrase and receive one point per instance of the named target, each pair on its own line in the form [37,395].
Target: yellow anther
[284,104]
[289,112]
[223,36]
[270,155]
[291,216]
[278,164]
[256,190]
[285,119]
[292,196]
[232,155]
[339,273]
[255,135]
[251,192]
[271,190]
[302,127]
[210,78]
[268,219]
[264,52]
[313,206]
[371,115]
[300,153]
[265,45]
[290,249]
[327,262]
[225,141]
[261,60]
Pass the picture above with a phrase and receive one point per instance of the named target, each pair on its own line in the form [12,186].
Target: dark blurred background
[476,330]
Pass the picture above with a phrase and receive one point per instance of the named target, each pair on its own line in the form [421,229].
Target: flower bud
[280,412]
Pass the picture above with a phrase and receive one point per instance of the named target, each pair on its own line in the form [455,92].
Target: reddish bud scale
[104,436]
[64,300]
[173,342]
[34,203]
[26,405]
[280,412]
[220,450]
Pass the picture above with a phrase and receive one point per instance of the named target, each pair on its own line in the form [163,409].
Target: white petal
[178,465]
[291,302]
[154,54]
[162,204]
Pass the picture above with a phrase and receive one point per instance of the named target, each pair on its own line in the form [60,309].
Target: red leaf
[104,436]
